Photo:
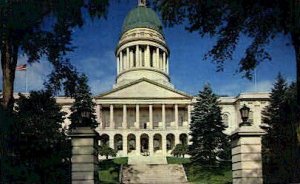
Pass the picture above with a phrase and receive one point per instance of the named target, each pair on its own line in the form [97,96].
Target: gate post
[84,156]
[246,155]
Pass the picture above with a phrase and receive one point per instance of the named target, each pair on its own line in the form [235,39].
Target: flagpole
[26,90]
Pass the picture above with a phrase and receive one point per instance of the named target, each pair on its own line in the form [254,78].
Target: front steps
[154,174]
[146,160]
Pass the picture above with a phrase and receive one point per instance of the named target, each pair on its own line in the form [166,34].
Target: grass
[178,160]
[109,170]
[201,175]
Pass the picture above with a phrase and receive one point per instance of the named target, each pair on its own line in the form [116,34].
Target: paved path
[154,174]
[143,160]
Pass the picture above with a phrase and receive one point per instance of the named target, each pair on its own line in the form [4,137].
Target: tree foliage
[180,150]
[105,150]
[260,20]
[208,139]
[279,151]
[83,104]
[42,28]
[41,150]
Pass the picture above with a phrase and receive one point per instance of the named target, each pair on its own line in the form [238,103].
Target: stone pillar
[118,65]
[125,144]
[189,114]
[131,58]
[151,148]
[164,62]
[164,144]
[84,155]
[111,141]
[163,116]
[121,62]
[177,139]
[137,116]
[127,58]
[147,56]
[176,115]
[138,144]
[137,56]
[157,58]
[111,117]
[167,68]
[246,155]
[124,123]
[150,117]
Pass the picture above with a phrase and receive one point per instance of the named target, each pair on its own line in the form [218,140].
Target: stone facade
[144,113]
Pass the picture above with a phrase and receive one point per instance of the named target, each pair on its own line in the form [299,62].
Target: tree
[41,28]
[41,151]
[279,151]
[107,151]
[261,20]
[207,129]
[180,150]
[83,104]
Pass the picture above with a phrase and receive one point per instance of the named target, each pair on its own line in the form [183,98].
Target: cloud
[261,86]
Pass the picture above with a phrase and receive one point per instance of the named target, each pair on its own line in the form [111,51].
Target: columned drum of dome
[142,51]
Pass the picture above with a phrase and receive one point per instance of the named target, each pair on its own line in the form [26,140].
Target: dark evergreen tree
[83,111]
[41,151]
[279,152]
[107,151]
[207,129]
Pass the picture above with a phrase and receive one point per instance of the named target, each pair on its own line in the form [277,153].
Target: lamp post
[245,115]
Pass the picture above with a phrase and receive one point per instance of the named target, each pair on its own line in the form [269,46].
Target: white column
[125,144]
[98,115]
[137,55]
[163,116]
[127,58]
[157,58]
[121,62]
[111,122]
[167,65]
[176,115]
[138,144]
[164,62]
[131,58]
[118,65]
[189,115]
[164,144]
[111,141]
[137,116]
[147,56]
[124,123]
[150,117]
[151,148]
[177,139]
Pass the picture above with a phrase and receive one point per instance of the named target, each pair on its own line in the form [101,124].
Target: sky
[96,41]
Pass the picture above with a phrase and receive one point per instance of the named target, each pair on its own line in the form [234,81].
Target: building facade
[144,114]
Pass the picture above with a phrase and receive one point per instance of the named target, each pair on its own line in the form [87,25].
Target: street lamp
[245,115]
[84,118]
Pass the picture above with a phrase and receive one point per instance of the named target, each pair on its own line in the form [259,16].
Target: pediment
[144,88]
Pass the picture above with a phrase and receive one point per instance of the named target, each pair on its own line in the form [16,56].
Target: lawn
[201,175]
[109,170]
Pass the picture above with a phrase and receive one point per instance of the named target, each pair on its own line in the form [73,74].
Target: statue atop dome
[142,3]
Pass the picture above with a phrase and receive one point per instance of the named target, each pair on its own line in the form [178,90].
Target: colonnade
[137,125]
[144,143]
[142,56]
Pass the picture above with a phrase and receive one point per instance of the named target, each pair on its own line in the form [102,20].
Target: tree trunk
[9,57]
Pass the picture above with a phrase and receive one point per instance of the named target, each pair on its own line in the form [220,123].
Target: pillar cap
[247,131]
[83,132]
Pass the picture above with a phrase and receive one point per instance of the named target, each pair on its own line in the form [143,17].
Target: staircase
[154,174]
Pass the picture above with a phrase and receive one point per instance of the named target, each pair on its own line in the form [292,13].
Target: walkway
[154,174]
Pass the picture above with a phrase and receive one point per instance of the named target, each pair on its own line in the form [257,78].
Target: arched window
[225,119]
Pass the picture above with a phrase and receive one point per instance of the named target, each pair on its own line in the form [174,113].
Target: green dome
[142,17]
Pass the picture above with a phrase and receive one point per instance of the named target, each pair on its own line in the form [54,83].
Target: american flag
[21,67]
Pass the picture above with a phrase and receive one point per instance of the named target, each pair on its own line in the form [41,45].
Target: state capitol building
[144,113]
